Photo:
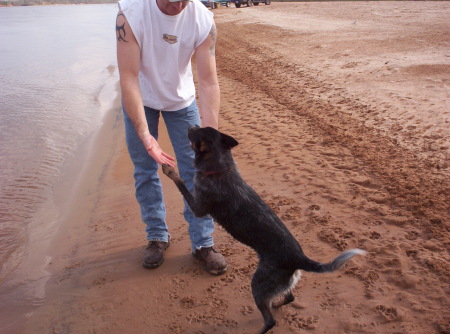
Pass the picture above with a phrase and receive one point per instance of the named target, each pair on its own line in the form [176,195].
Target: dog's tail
[334,265]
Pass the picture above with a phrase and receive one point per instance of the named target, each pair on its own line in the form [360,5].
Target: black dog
[223,194]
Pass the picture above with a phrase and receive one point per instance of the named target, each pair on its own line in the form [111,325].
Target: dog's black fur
[223,194]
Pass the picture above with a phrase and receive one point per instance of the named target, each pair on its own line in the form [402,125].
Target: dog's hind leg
[269,283]
[264,304]
[288,297]
[263,295]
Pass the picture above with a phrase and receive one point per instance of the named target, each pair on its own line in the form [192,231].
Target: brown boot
[213,261]
[154,254]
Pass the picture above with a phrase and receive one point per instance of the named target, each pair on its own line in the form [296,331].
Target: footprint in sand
[374,235]
[301,323]
[389,314]
[229,278]
[175,328]
[293,213]
[245,310]
[314,207]
[329,302]
[367,276]
[365,182]
[336,237]
[188,302]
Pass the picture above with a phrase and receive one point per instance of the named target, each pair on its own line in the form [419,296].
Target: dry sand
[342,113]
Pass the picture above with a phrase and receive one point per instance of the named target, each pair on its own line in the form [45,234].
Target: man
[156,40]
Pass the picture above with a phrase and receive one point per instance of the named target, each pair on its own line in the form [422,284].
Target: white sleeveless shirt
[167,44]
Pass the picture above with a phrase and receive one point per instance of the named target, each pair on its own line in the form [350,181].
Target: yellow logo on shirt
[171,39]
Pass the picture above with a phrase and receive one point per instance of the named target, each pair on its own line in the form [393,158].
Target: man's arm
[128,59]
[208,84]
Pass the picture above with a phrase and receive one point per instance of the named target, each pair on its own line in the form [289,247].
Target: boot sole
[210,271]
[153,265]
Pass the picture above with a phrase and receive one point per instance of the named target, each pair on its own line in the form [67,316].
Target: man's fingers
[168,156]
[167,159]
[169,162]
[161,157]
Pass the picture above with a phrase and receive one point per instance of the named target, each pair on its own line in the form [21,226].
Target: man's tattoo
[213,35]
[120,29]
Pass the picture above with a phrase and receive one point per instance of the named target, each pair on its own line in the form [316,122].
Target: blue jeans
[148,185]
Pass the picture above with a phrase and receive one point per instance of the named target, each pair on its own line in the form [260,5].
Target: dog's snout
[191,131]
[195,127]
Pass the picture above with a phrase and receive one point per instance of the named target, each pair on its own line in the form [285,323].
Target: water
[57,82]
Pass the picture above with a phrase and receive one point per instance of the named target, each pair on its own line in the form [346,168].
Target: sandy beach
[342,112]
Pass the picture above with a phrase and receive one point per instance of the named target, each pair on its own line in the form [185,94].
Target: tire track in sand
[408,180]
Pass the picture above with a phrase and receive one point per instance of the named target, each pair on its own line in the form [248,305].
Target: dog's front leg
[190,199]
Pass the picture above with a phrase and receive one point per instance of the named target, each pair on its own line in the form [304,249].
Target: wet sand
[342,114]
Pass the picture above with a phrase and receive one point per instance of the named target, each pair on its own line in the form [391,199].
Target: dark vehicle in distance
[249,3]
[214,3]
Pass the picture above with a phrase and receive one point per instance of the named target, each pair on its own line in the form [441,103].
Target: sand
[342,113]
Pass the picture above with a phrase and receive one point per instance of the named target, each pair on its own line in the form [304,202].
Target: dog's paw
[169,171]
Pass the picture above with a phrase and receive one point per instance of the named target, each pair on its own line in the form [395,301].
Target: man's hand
[153,149]
[160,156]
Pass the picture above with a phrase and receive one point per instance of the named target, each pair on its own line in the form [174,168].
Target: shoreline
[53,111]
[103,201]
[72,202]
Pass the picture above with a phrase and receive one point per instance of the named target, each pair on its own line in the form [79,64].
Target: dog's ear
[228,142]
